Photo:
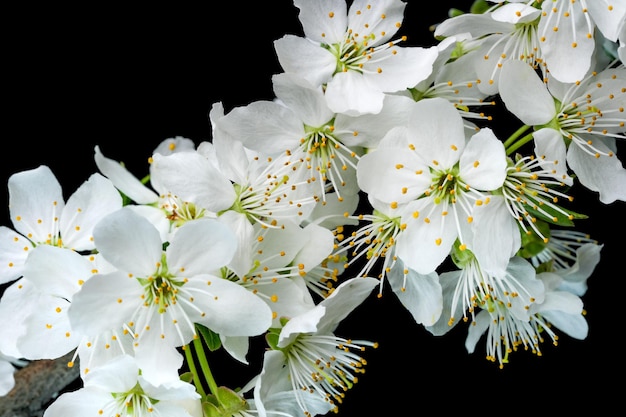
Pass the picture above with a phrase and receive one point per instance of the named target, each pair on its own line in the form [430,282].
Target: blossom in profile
[575,125]
[307,355]
[352,53]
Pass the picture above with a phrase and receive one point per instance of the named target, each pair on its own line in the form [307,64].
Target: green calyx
[225,403]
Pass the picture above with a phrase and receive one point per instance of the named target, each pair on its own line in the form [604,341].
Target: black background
[126,79]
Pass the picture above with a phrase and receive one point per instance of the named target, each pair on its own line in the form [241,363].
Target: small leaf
[211,338]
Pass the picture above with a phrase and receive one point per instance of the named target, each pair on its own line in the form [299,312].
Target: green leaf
[187,377]
[211,338]
[479,7]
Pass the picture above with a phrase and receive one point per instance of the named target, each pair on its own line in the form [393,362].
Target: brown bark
[36,385]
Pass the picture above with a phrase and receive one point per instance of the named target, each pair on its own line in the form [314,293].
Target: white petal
[194,179]
[574,325]
[436,132]
[550,147]
[307,322]
[368,130]
[575,277]
[477,25]
[129,242]
[50,323]
[364,18]
[104,303]
[386,172]
[237,347]
[305,59]
[7,380]
[317,23]
[343,300]
[19,300]
[420,294]
[318,246]
[264,126]
[118,375]
[124,180]
[524,93]
[94,199]
[79,403]
[605,174]
[352,94]
[403,68]
[304,99]
[476,330]
[35,202]
[424,244]
[158,360]
[448,282]
[242,261]
[483,162]
[57,271]
[14,249]
[568,50]
[496,236]
[200,246]
[228,308]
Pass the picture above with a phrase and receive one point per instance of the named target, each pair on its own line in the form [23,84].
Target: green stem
[204,364]
[519,143]
[516,135]
[192,367]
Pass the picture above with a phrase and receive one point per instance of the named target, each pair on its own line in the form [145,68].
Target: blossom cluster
[374,169]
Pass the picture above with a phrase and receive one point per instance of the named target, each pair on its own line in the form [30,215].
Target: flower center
[161,289]
[134,402]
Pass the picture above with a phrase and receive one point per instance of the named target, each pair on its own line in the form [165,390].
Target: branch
[36,385]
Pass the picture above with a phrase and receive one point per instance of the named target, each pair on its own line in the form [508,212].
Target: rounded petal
[80,403]
[568,50]
[201,246]
[104,303]
[14,249]
[323,21]
[436,132]
[427,239]
[35,202]
[496,236]
[605,175]
[343,300]
[524,94]
[304,99]
[194,179]
[57,271]
[305,59]
[420,294]
[352,93]
[393,174]
[129,242]
[94,199]
[550,147]
[401,68]
[50,323]
[364,18]
[19,301]
[264,126]
[483,162]
[228,308]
